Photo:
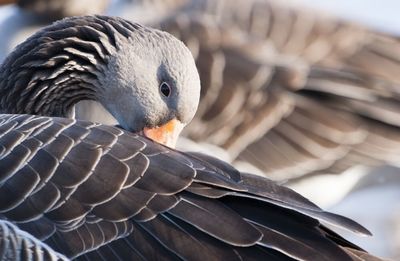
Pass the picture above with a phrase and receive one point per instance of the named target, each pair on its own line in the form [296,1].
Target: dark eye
[165,89]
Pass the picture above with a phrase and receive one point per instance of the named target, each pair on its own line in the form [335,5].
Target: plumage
[185,206]
[22,246]
[102,192]
[252,57]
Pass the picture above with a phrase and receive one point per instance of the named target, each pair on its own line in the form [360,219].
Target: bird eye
[165,89]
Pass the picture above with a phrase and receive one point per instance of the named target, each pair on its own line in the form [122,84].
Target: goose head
[147,79]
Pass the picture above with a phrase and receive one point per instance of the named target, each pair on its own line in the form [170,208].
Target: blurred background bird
[288,91]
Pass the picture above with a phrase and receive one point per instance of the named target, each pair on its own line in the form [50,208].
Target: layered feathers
[99,192]
[94,186]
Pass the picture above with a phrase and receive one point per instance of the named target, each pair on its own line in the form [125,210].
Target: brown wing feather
[174,201]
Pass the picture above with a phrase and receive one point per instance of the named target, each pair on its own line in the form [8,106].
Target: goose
[307,55]
[306,90]
[91,191]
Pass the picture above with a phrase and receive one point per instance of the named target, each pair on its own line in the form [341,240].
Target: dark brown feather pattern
[157,194]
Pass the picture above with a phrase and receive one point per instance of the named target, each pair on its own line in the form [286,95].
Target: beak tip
[166,134]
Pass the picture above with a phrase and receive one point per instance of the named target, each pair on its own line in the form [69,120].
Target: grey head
[144,77]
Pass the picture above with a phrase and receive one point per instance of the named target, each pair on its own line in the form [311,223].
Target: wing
[97,192]
[289,91]
[16,244]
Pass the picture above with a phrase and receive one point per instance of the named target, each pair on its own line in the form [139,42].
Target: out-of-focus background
[374,200]
[369,195]
[382,15]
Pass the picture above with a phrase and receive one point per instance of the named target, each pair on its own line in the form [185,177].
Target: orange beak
[166,134]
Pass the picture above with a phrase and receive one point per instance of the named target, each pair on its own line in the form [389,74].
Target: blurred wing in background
[292,92]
